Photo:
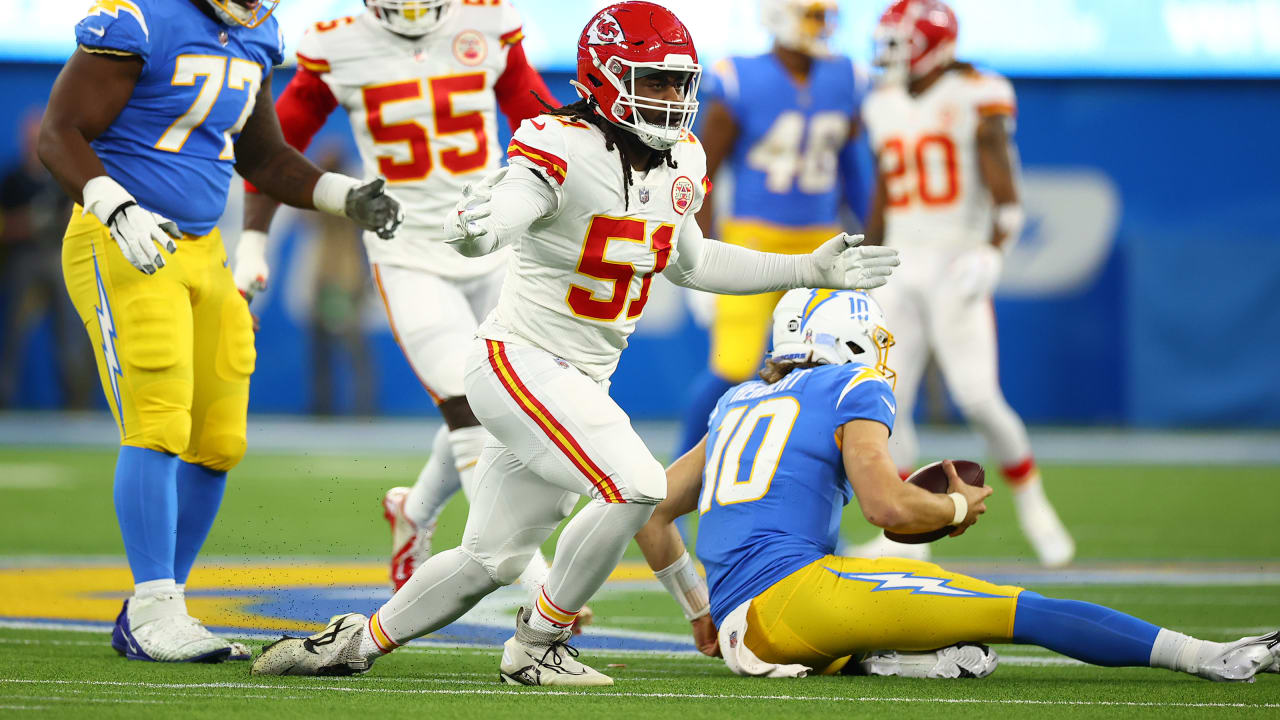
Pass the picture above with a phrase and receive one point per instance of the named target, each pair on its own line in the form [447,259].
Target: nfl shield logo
[644,195]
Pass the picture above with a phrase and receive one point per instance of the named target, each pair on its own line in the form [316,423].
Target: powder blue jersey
[792,161]
[172,147]
[774,484]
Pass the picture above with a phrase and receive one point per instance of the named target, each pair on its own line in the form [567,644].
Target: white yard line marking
[678,695]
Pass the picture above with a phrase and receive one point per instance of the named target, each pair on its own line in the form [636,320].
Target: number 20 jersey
[580,277]
[774,485]
[928,153]
[424,116]
[172,146]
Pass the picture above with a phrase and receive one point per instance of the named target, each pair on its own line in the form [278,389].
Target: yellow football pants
[174,349]
[740,330]
[838,606]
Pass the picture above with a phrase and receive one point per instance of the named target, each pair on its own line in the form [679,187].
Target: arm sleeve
[718,267]
[863,394]
[120,31]
[519,199]
[302,108]
[519,87]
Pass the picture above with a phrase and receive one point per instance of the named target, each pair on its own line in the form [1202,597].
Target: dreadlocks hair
[585,111]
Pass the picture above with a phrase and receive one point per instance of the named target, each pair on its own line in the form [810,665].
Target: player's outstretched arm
[889,503]
[279,170]
[731,270]
[665,552]
[70,122]
[496,211]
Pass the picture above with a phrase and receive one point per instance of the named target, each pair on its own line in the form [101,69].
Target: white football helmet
[411,18]
[801,25]
[831,326]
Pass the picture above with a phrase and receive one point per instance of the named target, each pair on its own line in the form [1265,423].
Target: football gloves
[251,272]
[366,204]
[977,272]
[840,264]
[462,228]
[136,231]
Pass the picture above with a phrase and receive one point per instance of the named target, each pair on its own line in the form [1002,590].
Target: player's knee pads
[505,563]
[236,354]
[220,442]
[644,483]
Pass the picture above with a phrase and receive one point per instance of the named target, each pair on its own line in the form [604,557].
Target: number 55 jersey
[928,154]
[423,112]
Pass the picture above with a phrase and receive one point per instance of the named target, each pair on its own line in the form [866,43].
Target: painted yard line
[673,695]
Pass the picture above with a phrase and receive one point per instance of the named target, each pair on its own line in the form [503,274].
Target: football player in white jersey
[947,199]
[599,197]
[421,82]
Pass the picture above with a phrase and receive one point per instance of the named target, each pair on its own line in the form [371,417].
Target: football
[933,477]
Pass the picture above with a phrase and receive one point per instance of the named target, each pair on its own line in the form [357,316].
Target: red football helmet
[630,40]
[913,38]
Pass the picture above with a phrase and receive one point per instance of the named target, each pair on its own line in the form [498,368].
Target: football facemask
[411,18]
[249,13]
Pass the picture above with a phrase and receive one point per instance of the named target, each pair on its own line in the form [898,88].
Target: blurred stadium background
[1143,293]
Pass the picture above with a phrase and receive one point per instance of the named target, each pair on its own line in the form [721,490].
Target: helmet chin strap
[225,16]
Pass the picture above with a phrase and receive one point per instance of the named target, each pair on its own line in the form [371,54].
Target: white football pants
[927,313]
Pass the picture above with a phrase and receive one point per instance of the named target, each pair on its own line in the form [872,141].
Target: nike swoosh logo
[889,405]
[100,32]
[540,126]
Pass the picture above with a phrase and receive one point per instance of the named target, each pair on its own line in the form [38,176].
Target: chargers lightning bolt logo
[106,326]
[917,584]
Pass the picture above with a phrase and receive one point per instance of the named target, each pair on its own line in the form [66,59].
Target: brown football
[933,478]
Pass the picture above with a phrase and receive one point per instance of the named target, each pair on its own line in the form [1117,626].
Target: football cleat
[1040,524]
[332,651]
[410,544]
[881,546]
[965,660]
[533,657]
[158,629]
[1241,660]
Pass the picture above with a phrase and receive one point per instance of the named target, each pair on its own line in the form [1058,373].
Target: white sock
[152,588]
[466,444]
[368,648]
[534,575]
[437,482]
[1175,651]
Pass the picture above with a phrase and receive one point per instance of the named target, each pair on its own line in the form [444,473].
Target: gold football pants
[839,606]
[174,349]
[740,330]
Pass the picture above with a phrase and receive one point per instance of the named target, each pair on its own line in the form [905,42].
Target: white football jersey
[927,147]
[580,277]
[424,116]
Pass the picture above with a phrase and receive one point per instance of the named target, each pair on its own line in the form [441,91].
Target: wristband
[254,241]
[962,508]
[330,194]
[104,197]
[686,586]
[1009,221]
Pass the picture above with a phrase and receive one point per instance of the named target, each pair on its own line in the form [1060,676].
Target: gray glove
[372,208]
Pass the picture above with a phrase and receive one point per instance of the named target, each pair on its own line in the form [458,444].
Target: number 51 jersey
[774,485]
[424,115]
[580,277]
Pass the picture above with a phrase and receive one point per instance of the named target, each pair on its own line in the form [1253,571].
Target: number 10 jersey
[580,277]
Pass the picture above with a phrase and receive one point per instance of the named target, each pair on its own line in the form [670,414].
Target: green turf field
[1196,549]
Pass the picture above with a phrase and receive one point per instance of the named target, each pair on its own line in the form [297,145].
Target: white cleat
[532,657]
[410,544]
[1042,527]
[1241,660]
[881,546]
[966,660]
[158,629]
[332,651]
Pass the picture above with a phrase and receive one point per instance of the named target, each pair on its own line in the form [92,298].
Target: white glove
[839,264]
[251,272]
[367,204]
[463,229]
[977,272]
[135,230]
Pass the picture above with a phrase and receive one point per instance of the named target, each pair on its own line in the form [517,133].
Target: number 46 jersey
[928,152]
[423,112]
[774,485]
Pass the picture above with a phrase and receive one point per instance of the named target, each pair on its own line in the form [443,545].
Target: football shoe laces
[332,651]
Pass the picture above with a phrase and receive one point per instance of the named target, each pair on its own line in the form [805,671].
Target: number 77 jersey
[774,485]
[423,112]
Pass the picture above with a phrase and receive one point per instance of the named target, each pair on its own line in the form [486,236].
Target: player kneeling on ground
[783,455]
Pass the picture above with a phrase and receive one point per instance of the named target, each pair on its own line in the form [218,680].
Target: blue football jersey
[792,160]
[774,485]
[172,145]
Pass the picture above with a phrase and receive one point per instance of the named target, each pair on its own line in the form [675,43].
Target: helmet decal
[605,31]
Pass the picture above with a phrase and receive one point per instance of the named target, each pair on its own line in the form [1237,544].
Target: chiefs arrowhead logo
[605,31]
